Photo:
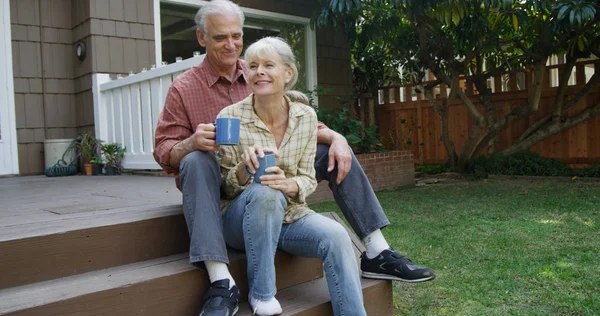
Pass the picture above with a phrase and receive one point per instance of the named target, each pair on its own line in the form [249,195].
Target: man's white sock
[375,243]
[218,270]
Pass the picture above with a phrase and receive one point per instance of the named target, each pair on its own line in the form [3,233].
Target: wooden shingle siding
[43,73]
[333,63]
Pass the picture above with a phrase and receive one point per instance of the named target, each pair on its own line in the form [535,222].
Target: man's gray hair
[217,7]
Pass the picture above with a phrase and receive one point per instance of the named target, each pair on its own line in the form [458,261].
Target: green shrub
[342,121]
[430,169]
[591,172]
[526,164]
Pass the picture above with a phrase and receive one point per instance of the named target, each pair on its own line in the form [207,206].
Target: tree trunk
[442,111]
[448,143]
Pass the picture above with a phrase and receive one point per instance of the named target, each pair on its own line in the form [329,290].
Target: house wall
[43,77]
[53,96]
[119,35]
[53,88]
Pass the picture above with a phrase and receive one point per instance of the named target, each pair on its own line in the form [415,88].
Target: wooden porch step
[312,299]
[166,285]
[53,249]
[163,286]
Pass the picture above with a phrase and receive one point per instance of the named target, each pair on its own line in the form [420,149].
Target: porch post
[9,160]
[100,107]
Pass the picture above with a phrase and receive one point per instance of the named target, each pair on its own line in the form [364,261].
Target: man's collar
[213,76]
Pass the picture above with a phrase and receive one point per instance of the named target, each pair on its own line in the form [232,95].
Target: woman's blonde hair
[269,46]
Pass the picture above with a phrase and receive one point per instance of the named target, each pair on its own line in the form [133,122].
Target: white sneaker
[264,308]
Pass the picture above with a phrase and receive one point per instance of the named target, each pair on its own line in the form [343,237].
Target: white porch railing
[126,109]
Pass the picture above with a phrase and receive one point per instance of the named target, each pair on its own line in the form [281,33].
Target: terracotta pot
[88,168]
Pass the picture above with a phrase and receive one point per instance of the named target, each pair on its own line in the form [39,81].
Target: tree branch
[538,80]
[565,109]
[551,128]
[562,86]
[526,51]
[443,112]
[582,93]
[518,113]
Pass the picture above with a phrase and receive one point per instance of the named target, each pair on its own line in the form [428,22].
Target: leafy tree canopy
[480,38]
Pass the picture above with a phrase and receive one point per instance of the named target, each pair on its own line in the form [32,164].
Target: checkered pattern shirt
[297,152]
[195,97]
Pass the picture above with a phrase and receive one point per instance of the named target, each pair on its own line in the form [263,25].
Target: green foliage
[88,146]
[526,164]
[430,169]
[342,121]
[97,160]
[313,95]
[113,154]
[591,172]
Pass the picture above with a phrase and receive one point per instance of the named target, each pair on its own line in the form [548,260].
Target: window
[178,38]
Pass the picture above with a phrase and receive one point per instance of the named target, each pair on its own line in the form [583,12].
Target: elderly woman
[261,217]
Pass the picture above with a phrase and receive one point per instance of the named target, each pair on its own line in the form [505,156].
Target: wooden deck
[117,246]
[38,199]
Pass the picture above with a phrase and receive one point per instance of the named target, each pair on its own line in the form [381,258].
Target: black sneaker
[219,300]
[390,265]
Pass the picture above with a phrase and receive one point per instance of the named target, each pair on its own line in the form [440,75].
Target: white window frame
[310,40]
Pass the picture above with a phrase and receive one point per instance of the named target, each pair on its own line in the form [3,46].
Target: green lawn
[499,247]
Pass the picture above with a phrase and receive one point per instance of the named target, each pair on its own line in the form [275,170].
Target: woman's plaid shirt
[296,153]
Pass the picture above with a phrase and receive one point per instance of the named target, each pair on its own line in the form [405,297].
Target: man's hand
[340,152]
[204,137]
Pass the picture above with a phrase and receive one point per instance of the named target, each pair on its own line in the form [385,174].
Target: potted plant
[88,149]
[113,157]
[97,165]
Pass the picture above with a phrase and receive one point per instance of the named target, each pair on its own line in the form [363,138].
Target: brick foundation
[385,171]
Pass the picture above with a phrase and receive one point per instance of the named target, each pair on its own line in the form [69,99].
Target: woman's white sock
[218,270]
[375,243]
[264,308]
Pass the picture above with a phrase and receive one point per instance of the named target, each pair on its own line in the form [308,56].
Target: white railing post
[100,117]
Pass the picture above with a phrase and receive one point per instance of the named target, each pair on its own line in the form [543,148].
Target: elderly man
[185,145]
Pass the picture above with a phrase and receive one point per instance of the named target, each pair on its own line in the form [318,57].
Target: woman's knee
[267,197]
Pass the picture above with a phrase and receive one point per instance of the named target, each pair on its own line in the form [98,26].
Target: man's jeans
[200,184]
[354,196]
[253,222]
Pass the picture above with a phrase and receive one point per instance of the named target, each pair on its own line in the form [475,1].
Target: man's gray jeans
[200,179]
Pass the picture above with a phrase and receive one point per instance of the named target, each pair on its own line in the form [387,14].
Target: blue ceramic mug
[228,131]
[267,161]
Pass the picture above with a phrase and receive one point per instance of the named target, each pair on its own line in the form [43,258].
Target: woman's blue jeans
[253,222]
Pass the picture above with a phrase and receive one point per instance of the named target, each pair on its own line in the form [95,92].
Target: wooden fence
[407,121]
